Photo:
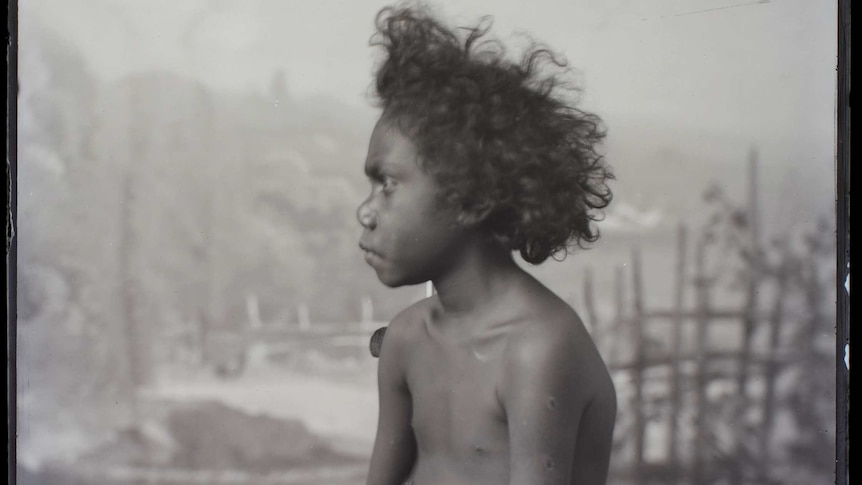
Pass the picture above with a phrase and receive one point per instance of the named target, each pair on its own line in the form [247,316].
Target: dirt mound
[213,436]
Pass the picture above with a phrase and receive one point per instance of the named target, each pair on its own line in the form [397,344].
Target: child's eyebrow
[377,167]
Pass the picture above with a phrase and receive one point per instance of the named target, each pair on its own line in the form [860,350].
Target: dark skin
[492,380]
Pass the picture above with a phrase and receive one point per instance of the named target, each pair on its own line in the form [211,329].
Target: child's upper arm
[394,447]
[547,388]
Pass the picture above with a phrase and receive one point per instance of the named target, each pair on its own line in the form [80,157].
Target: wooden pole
[367,310]
[748,319]
[619,312]
[701,378]
[590,309]
[676,349]
[129,246]
[775,323]
[619,295]
[813,300]
[212,312]
[638,369]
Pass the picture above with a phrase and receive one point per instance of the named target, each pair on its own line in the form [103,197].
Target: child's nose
[366,216]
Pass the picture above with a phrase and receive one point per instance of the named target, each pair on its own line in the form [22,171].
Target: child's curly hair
[498,138]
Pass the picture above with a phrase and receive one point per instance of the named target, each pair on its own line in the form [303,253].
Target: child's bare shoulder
[407,327]
[552,345]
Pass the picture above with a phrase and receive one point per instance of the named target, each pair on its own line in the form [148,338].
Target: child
[493,379]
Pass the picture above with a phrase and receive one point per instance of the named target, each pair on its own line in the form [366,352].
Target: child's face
[408,237]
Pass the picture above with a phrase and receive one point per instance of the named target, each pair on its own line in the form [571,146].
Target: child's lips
[371,256]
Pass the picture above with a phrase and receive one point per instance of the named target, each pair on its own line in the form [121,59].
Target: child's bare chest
[456,405]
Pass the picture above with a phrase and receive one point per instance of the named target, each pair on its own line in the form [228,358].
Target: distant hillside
[258,194]
[255,194]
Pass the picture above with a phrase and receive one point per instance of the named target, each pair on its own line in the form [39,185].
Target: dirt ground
[334,400]
[308,421]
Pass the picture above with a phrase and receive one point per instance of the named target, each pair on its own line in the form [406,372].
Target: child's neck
[480,276]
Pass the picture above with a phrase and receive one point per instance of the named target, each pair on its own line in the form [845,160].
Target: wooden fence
[662,374]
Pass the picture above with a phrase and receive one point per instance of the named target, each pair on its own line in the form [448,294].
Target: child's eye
[387,183]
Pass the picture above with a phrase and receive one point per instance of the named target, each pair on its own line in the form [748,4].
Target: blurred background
[193,308]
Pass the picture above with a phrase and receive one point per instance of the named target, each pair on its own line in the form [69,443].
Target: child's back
[494,379]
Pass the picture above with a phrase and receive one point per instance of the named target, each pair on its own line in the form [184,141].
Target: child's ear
[474,215]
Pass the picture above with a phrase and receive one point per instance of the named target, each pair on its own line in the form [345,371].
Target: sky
[765,69]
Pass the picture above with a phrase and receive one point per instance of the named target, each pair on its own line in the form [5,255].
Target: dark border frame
[842,214]
[843,205]
[11,240]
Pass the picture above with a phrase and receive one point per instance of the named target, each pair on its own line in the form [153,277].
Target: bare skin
[494,379]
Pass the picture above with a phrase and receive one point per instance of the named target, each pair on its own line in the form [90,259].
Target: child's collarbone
[456,406]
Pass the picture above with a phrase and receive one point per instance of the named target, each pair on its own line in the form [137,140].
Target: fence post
[676,344]
[775,321]
[702,334]
[638,368]
[367,306]
[303,317]
[619,311]
[749,315]
[813,301]
[252,311]
[590,309]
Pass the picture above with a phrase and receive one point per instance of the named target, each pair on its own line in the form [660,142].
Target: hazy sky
[730,66]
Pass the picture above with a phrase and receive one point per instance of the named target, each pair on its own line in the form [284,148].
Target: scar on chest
[551,403]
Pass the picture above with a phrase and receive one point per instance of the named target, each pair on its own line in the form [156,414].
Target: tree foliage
[792,441]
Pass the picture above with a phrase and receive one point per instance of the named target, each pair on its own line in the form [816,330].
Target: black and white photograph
[428,242]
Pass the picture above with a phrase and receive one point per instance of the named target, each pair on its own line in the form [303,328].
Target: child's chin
[395,281]
[391,282]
